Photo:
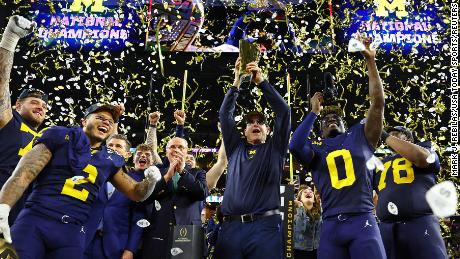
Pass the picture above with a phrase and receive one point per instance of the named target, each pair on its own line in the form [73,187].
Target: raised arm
[230,135]
[216,171]
[152,139]
[282,125]
[299,145]
[17,28]
[416,154]
[121,110]
[374,122]
[179,115]
[6,63]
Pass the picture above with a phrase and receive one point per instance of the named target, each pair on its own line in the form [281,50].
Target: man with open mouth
[69,166]
[113,229]
[255,164]
[20,125]
[338,164]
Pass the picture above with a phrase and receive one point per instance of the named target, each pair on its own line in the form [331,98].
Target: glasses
[101,118]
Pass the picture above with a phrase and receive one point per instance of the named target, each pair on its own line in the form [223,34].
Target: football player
[338,164]
[69,165]
[19,126]
[408,227]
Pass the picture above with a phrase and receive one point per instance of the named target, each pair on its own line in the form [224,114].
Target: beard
[31,119]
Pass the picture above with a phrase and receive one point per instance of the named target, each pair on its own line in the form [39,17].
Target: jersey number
[398,165]
[70,184]
[350,177]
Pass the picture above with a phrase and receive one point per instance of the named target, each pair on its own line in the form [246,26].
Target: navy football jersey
[16,139]
[339,171]
[402,187]
[59,188]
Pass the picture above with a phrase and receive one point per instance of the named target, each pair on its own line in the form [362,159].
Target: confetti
[143,223]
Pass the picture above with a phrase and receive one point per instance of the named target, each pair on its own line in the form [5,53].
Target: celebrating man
[251,227]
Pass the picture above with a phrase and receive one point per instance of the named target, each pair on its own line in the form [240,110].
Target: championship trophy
[249,52]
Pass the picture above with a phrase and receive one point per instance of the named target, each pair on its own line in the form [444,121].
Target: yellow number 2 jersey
[70,182]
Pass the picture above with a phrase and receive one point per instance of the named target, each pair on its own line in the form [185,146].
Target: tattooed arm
[28,168]
[16,28]
[134,190]
[6,63]
[152,141]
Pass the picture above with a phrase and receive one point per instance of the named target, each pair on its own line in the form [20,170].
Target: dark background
[416,83]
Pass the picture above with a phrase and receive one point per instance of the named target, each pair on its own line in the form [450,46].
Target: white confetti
[143,223]
[443,198]
[157,205]
[77,178]
[392,208]
[176,251]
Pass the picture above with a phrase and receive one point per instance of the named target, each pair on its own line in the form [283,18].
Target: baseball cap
[403,130]
[257,114]
[33,92]
[103,107]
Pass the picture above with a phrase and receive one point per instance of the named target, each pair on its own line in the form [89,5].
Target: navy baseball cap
[104,107]
[256,114]
[33,92]
[403,130]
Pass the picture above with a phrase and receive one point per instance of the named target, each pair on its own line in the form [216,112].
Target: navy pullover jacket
[254,171]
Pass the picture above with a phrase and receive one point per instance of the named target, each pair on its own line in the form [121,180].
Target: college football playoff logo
[183,232]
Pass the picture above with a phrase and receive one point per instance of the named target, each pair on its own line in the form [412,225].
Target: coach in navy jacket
[250,208]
